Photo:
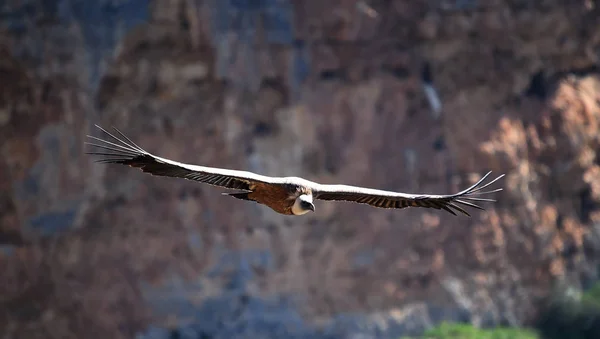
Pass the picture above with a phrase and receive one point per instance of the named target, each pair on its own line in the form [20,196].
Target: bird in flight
[285,195]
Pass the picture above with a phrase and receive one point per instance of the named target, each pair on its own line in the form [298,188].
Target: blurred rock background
[334,91]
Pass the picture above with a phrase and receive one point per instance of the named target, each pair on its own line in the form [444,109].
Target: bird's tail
[239,195]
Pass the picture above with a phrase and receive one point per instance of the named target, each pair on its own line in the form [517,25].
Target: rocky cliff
[331,91]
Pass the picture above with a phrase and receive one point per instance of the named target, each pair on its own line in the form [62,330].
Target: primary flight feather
[285,195]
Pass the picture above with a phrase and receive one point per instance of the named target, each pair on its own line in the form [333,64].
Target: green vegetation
[570,316]
[467,331]
[592,296]
[564,315]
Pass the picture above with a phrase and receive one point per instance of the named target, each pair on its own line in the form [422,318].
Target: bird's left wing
[126,152]
[387,199]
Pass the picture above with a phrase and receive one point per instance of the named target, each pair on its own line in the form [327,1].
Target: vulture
[285,195]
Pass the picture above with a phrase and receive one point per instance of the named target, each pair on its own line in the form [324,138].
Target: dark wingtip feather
[446,208]
[117,150]
[458,208]
[466,196]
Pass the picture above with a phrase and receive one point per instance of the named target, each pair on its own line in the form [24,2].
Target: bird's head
[303,204]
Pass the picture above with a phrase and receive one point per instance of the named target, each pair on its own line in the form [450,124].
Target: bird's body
[281,197]
[285,195]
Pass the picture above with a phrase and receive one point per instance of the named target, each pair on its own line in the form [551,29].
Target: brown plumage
[280,198]
[285,195]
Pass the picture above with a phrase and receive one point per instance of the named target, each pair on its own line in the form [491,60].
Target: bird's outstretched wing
[124,151]
[387,199]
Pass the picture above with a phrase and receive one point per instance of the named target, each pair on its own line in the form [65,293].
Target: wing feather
[387,199]
[126,152]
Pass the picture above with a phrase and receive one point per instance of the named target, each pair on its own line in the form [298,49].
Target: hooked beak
[311,207]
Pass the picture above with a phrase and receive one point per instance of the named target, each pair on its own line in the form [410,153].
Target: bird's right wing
[387,199]
[126,152]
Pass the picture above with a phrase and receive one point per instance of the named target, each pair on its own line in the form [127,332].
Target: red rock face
[338,100]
